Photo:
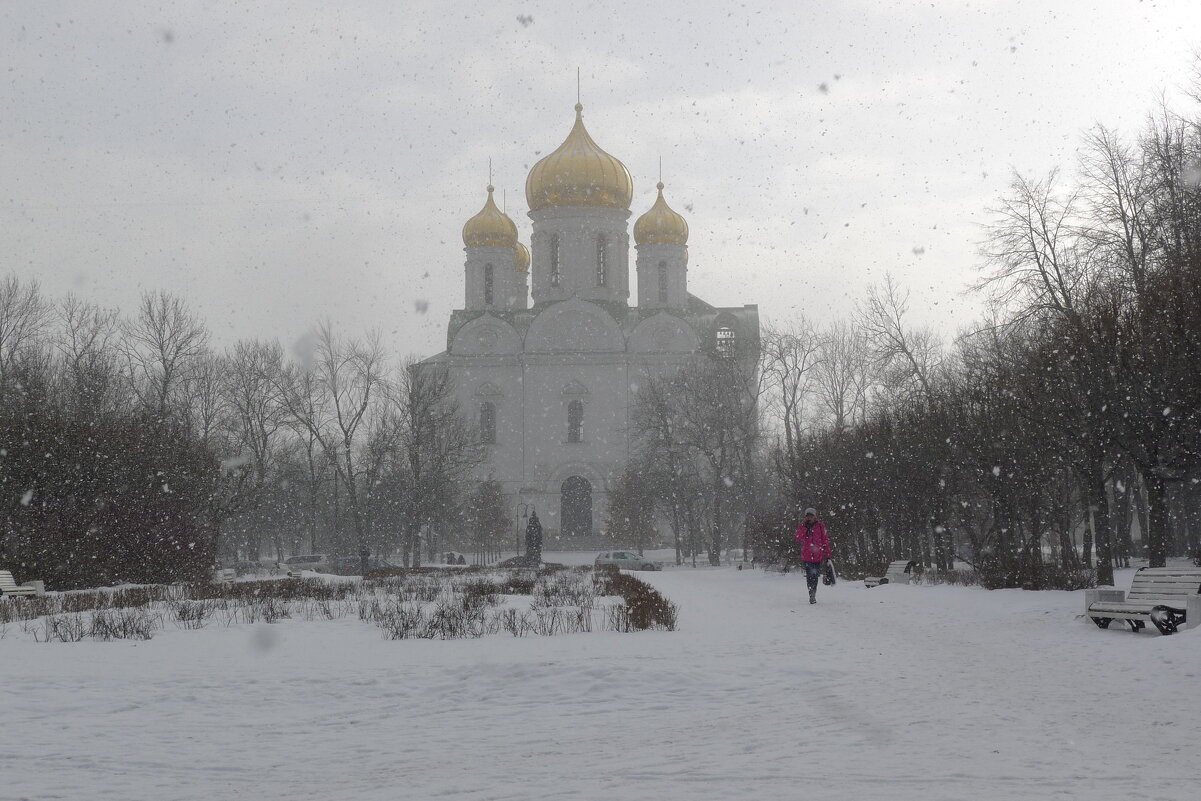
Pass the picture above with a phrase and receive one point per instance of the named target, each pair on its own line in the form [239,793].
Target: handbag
[829,575]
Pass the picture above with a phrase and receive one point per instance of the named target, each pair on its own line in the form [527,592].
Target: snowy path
[899,692]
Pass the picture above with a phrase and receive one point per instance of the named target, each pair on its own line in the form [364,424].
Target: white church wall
[675,259]
[552,383]
[577,229]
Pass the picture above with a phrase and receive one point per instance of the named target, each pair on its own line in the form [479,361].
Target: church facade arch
[574,326]
[663,333]
[486,335]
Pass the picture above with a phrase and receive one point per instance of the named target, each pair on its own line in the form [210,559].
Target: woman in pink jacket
[815,549]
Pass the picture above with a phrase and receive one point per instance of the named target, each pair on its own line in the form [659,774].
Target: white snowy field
[896,692]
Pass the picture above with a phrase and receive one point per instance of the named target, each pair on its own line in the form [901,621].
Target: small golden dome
[491,227]
[579,173]
[521,259]
[660,225]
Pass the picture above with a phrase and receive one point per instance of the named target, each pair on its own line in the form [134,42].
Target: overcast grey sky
[280,163]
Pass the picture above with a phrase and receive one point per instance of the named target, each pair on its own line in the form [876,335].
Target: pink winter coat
[815,544]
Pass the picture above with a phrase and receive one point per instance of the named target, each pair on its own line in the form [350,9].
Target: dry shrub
[515,622]
[190,614]
[479,593]
[645,607]
[564,589]
[63,628]
[124,624]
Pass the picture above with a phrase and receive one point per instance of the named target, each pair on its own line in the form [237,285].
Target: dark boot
[813,595]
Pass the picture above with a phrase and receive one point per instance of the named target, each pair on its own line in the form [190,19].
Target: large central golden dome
[579,173]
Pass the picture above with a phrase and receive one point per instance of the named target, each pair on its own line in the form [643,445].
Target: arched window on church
[602,257]
[575,421]
[488,422]
[555,275]
[662,282]
[489,276]
[725,342]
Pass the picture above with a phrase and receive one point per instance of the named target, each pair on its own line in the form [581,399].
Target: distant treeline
[132,451]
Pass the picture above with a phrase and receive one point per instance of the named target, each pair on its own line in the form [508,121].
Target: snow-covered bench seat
[9,586]
[898,572]
[1170,597]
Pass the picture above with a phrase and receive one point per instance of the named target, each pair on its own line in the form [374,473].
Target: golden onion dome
[521,259]
[660,225]
[579,173]
[491,227]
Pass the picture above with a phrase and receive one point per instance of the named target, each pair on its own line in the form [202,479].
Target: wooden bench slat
[1120,608]
[1156,594]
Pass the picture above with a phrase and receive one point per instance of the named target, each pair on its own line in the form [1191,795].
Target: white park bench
[9,586]
[1170,597]
[224,575]
[898,572]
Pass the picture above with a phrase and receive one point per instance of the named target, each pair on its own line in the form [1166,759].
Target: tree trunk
[1086,546]
[1141,514]
[1155,537]
[1098,505]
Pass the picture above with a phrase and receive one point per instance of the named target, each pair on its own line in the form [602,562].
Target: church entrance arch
[575,507]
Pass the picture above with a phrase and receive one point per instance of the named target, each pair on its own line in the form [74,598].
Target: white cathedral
[552,384]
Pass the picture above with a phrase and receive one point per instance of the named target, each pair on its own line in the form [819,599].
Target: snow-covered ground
[896,692]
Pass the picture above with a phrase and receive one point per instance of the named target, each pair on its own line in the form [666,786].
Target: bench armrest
[1107,594]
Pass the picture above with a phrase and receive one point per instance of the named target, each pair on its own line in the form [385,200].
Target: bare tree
[24,316]
[333,402]
[1115,188]
[436,451]
[906,356]
[253,420]
[843,376]
[1033,255]
[85,339]
[160,346]
[790,359]
[704,422]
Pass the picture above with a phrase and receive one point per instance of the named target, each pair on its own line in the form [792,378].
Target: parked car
[316,562]
[627,560]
